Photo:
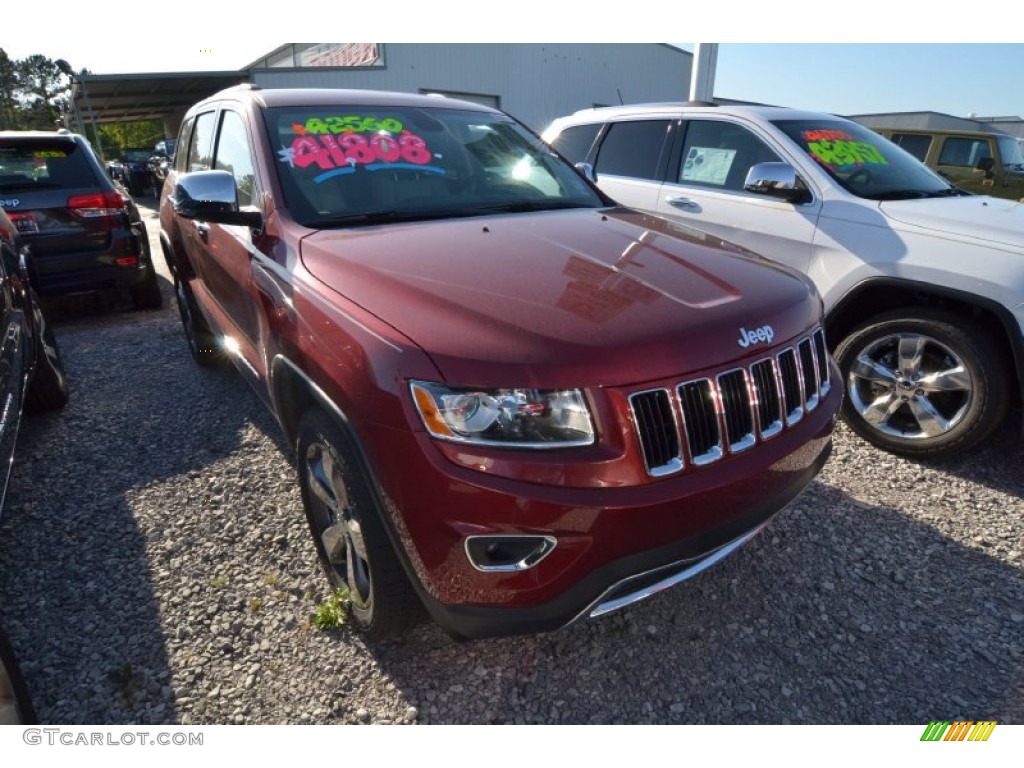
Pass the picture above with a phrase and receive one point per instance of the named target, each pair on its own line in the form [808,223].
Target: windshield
[864,163]
[344,166]
[1009,148]
[136,155]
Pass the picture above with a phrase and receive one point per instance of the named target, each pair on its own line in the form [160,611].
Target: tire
[202,343]
[958,398]
[48,390]
[146,295]
[348,531]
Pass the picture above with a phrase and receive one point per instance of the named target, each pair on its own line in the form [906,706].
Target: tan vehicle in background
[983,163]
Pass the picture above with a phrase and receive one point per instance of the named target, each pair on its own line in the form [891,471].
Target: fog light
[508,553]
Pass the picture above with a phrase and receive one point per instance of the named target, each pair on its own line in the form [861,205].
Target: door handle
[683,202]
[202,228]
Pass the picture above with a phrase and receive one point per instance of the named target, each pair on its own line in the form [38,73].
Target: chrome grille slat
[701,420]
[659,438]
[789,373]
[769,398]
[737,410]
[808,374]
[821,358]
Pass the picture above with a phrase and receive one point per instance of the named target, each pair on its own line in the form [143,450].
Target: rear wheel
[348,532]
[925,384]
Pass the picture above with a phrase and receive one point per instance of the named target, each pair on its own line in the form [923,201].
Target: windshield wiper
[950,192]
[527,206]
[898,194]
[368,217]
[916,194]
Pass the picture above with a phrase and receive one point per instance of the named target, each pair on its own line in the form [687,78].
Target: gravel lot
[155,567]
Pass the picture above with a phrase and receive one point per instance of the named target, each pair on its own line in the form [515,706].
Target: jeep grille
[728,413]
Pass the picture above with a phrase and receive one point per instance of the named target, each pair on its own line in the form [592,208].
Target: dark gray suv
[85,233]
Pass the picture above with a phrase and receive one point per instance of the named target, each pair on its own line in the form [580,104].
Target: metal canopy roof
[130,97]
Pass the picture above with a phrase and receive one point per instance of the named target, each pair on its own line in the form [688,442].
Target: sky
[865,58]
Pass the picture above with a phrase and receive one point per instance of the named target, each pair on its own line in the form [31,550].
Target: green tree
[9,106]
[40,84]
[119,136]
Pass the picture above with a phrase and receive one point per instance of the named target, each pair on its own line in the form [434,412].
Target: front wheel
[48,390]
[348,532]
[925,384]
[202,343]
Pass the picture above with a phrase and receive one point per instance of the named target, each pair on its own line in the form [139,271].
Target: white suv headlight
[509,418]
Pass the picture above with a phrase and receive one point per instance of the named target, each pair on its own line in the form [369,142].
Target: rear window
[30,164]
[575,141]
[633,149]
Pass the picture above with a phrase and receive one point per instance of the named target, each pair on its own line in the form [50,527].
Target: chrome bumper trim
[600,606]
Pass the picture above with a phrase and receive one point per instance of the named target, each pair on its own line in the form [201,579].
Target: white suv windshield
[345,166]
[864,163]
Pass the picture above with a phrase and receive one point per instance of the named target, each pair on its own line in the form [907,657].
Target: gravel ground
[155,567]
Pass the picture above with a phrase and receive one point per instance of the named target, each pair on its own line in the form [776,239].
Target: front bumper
[614,545]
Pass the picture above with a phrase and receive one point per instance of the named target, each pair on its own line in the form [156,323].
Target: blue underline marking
[331,174]
[383,167]
[410,166]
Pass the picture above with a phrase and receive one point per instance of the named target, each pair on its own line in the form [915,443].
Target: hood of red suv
[566,298]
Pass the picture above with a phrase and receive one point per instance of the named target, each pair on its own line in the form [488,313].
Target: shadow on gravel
[840,612]
[76,583]
[995,463]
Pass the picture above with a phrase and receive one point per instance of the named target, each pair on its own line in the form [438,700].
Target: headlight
[510,418]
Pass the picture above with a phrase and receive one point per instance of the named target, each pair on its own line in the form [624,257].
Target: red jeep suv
[513,401]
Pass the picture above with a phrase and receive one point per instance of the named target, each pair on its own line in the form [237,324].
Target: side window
[183,137]
[633,149]
[914,143]
[718,154]
[574,142]
[200,150]
[963,151]
[233,155]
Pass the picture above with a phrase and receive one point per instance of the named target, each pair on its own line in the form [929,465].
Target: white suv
[923,283]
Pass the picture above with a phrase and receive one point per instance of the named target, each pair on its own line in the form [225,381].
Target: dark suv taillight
[96,205]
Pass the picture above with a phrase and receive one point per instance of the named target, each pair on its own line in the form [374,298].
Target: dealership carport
[150,96]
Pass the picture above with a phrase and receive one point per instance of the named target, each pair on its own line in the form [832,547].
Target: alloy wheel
[910,385]
[338,524]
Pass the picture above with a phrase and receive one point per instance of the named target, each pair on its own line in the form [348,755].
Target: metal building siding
[921,120]
[536,82]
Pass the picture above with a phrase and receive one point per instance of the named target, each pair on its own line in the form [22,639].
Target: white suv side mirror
[776,180]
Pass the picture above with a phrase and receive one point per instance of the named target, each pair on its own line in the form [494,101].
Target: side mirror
[15,705]
[587,170]
[985,165]
[211,196]
[776,180]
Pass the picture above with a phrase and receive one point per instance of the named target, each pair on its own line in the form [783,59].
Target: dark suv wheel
[922,384]
[49,388]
